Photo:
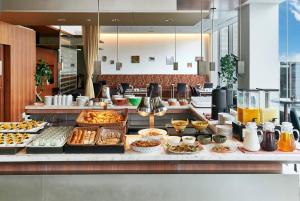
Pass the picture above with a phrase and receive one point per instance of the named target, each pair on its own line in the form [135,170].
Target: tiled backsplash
[164,80]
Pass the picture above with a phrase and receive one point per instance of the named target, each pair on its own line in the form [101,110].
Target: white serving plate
[26,142]
[145,133]
[33,130]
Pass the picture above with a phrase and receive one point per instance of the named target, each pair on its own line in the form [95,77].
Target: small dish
[174,140]
[220,139]
[188,140]
[204,139]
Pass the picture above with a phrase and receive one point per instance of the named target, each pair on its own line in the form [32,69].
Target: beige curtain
[90,48]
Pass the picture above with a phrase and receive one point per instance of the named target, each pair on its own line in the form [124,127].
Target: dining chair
[295,119]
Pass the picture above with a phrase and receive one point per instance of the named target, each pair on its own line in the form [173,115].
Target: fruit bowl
[200,125]
[180,125]
[135,101]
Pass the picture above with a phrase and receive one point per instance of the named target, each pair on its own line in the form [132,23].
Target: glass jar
[287,141]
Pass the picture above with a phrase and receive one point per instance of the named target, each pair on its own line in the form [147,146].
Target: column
[260,45]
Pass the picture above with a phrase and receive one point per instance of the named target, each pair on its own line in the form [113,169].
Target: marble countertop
[75,107]
[204,156]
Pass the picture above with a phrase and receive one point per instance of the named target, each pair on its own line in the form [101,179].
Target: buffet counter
[159,175]
[158,162]
[33,109]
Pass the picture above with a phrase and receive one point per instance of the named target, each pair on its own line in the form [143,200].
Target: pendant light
[175,64]
[118,63]
[202,65]
[241,64]
[212,64]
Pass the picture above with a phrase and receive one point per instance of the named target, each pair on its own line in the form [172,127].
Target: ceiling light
[168,20]
[115,20]
[61,20]
[89,19]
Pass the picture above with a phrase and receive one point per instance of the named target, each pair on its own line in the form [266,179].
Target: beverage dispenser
[251,111]
[240,105]
[269,106]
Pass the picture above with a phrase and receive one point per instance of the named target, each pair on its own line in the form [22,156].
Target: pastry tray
[189,131]
[97,148]
[33,130]
[13,149]
[123,112]
[31,149]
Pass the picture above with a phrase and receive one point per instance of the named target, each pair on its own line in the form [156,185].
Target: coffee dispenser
[219,103]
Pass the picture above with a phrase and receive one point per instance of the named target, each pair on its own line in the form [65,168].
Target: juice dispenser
[269,107]
[251,111]
[240,105]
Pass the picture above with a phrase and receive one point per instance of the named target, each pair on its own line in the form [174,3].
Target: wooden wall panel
[20,42]
[2,83]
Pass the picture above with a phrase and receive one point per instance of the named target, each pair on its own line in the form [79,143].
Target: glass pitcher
[268,142]
[287,141]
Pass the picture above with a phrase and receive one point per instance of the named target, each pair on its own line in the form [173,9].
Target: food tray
[59,148]
[123,112]
[96,147]
[33,130]
[112,148]
[189,131]
[14,148]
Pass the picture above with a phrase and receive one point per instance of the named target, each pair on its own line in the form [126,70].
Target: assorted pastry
[15,139]
[110,137]
[83,137]
[25,125]
[52,137]
[100,117]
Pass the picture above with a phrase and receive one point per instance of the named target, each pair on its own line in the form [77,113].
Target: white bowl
[174,140]
[146,133]
[146,149]
[188,139]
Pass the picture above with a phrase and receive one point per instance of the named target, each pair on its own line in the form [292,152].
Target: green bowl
[135,101]
[204,139]
[219,139]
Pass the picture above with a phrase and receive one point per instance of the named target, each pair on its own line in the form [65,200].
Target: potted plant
[42,77]
[228,73]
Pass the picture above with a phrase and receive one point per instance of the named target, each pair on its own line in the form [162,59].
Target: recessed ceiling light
[115,20]
[61,20]
[168,20]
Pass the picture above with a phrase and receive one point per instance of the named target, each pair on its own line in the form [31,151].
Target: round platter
[146,149]
[171,148]
[152,133]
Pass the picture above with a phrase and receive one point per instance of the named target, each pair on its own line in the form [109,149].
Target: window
[289,29]
[224,41]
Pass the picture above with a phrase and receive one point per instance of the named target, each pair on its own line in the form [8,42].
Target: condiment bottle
[269,139]
[287,141]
